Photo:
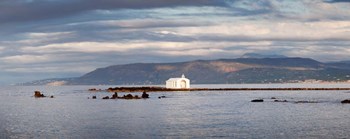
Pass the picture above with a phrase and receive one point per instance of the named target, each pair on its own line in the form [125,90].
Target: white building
[182,82]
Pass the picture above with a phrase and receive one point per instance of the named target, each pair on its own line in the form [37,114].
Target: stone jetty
[163,89]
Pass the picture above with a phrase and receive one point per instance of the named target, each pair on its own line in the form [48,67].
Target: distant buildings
[177,83]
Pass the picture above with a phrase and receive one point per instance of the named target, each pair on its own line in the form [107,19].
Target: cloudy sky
[67,38]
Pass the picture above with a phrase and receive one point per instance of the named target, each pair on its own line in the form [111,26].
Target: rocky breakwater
[142,89]
[163,89]
[127,96]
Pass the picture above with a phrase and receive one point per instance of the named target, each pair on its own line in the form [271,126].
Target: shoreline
[163,89]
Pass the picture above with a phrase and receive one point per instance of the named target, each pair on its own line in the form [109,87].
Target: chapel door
[183,84]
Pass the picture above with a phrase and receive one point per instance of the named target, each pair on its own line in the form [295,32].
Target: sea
[72,114]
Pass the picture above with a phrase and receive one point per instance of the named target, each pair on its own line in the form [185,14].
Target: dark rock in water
[128,96]
[93,97]
[38,94]
[257,100]
[273,98]
[94,89]
[145,95]
[106,97]
[161,97]
[114,96]
[346,101]
[306,101]
[280,101]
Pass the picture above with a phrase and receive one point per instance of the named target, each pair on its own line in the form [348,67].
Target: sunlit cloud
[43,69]
[134,46]
[20,59]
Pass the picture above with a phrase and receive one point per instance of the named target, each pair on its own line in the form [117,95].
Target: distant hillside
[241,70]
[341,64]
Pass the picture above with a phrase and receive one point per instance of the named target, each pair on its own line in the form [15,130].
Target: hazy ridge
[221,71]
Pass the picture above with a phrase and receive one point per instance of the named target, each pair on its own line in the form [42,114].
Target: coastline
[163,89]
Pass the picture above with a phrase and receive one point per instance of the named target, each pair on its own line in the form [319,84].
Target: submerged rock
[161,97]
[346,101]
[257,100]
[280,101]
[106,97]
[306,101]
[92,89]
[129,96]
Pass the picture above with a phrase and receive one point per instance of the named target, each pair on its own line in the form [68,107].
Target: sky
[67,38]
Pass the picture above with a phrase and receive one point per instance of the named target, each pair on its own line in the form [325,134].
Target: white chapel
[182,82]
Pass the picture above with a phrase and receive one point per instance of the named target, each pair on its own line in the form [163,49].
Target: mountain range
[248,69]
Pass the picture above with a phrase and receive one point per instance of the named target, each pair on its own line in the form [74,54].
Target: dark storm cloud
[19,11]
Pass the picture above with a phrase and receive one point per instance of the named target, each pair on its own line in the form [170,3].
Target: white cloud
[274,30]
[144,46]
[25,59]
[51,69]
[39,35]
[193,52]
[83,47]
[36,38]
[48,59]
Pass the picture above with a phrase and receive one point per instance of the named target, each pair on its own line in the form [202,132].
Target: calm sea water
[226,114]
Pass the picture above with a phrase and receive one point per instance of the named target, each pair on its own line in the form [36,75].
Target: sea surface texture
[205,114]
